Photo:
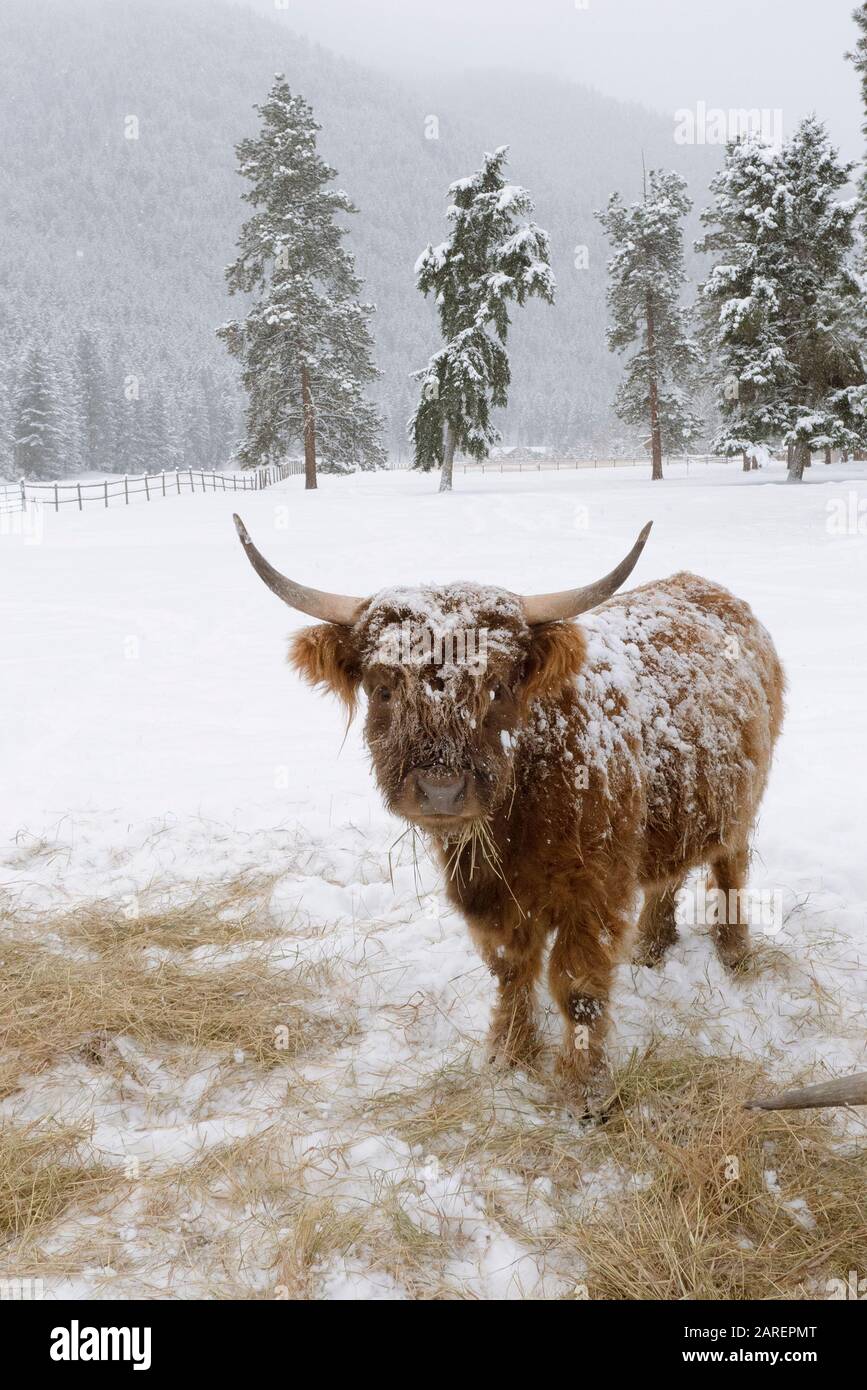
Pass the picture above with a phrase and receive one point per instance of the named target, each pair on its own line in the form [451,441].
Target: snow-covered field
[154,741]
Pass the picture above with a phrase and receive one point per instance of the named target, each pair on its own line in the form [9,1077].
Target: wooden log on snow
[844,1090]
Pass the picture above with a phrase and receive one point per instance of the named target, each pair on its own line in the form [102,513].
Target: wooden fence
[544,465]
[119,489]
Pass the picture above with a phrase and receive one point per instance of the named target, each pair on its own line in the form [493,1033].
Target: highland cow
[577,773]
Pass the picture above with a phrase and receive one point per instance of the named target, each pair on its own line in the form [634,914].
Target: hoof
[589,1098]
[507,1054]
[736,956]
[651,954]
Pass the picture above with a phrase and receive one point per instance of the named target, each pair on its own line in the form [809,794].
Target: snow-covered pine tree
[739,303]
[493,256]
[163,451]
[38,434]
[821,306]
[134,443]
[305,345]
[6,440]
[850,411]
[851,405]
[91,385]
[645,279]
[859,58]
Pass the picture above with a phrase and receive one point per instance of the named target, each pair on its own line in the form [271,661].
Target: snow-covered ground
[152,732]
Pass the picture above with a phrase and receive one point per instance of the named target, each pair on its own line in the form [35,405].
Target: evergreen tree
[6,428]
[161,451]
[740,302]
[645,278]
[850,410]
[93,404]
[305,345]
[859,58]
[134,452]
[194,430]
[38,438]
[781,308]
[493,256]
[69,418]
[821,300]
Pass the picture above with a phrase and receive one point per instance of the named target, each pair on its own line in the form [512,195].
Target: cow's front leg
[580,973]
[512,951]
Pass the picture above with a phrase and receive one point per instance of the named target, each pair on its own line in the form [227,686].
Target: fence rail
[543,464]
[17,497]
[119,489]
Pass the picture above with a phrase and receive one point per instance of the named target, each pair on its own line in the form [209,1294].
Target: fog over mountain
[783,54]
[121,205]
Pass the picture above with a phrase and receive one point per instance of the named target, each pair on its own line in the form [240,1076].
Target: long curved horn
[843,1090]
[568,603]
[331,608]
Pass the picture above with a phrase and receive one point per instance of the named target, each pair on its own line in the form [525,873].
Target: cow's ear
[556,656]
[327,655]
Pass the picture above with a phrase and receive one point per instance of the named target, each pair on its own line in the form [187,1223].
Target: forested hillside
[120,206]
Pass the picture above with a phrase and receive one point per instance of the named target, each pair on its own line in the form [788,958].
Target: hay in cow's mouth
[476,836]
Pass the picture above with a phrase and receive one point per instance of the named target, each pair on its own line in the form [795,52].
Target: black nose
[441,793]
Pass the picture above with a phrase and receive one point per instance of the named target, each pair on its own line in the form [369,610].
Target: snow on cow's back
[696,671]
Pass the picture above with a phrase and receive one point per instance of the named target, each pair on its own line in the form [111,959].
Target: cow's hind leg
[657,929]
[731,928]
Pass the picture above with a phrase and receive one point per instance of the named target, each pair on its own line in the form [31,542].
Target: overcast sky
[785,54]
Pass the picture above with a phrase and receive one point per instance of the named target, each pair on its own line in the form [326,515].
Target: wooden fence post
[192,488]
[56,500]
[178,480]
[147,489]
[105,487]
[23,496]
[164,482]
[126,489]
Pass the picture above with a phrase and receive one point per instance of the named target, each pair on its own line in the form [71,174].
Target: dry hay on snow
[302,1177]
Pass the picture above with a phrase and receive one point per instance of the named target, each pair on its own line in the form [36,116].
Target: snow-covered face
[443,672]
[449,674]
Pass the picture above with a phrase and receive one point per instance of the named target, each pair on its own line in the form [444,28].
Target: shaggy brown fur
[604,761]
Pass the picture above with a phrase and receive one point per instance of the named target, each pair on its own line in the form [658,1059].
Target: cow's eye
[383,694]
[496,692]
